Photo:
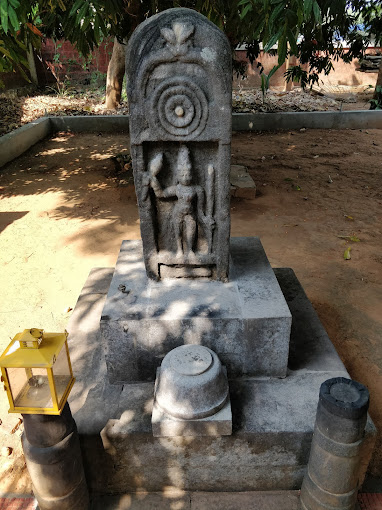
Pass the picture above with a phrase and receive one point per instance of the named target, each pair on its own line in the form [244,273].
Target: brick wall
[68,64]
[343,74]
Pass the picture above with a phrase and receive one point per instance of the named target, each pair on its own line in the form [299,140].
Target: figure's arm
[207,221]
[156,165]
[154,168]
[206,218]
[170,191]
[200,204]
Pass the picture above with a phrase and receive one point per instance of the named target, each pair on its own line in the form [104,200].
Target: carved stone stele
[179,88]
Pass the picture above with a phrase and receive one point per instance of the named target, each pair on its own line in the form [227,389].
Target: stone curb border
[17,142]
[20,140]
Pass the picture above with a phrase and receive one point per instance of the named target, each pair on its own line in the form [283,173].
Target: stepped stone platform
[272,500]
[273,418]
[285,500]
[245,321]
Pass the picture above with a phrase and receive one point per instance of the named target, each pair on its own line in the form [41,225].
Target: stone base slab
[246,321]
[242,184]
[164,425]
[269,448]
[273,418]
[274,500]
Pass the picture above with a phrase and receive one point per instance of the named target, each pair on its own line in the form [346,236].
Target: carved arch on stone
[179,91]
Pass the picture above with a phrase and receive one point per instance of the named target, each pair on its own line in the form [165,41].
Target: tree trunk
[288,84]
[378,93]
[379,78]
[32,64]
[115,74]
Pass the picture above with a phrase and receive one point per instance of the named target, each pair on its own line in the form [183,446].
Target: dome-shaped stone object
[192,383]
[191,394]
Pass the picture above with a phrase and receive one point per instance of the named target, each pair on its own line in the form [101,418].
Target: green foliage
[376,102]
[97,79]
[8,16]
[278,22]
[299,75]
[265,78]
[312,30]
[315,31]
[86,23]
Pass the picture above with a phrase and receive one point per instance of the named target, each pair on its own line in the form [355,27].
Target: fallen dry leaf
[347,255]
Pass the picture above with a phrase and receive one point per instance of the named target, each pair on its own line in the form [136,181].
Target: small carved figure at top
[189,198]
[178,37]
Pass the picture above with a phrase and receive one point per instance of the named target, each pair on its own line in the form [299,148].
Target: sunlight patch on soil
[57,150]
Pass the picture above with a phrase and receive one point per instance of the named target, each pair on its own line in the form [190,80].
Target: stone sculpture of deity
[188,212]
[180,103]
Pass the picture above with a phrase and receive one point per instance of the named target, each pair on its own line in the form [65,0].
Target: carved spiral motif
[180,106]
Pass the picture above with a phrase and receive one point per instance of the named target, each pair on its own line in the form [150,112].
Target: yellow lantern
[37,372]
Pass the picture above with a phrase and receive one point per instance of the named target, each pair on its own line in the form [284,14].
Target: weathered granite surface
[191,383]
[332,478]
[242,184]
[182,500]
[268,449]
[191,396]
[165,424]
[245,321]
[179,90]
[310,347]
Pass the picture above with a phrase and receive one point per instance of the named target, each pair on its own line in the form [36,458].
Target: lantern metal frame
[25,352]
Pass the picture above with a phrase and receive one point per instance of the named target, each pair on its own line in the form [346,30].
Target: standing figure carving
[179,90]
[188,211]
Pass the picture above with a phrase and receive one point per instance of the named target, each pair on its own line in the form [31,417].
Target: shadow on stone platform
[272,418]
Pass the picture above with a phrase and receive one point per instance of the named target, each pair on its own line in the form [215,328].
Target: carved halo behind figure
[180,106]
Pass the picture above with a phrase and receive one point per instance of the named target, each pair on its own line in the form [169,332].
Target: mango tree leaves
[4,15]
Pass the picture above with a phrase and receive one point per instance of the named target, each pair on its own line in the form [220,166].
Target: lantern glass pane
[61,373]
[30,387]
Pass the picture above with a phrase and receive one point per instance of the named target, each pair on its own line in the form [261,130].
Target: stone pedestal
[53,457]
[273,418]
[332,478]
[245,321]
[191,395]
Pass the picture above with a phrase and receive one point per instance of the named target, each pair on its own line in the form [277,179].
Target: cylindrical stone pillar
[331,481]
[53,457]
